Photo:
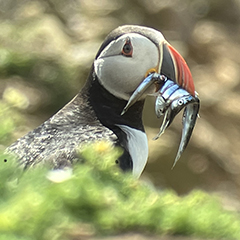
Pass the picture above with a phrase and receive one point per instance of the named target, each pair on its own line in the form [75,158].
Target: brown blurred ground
[52,44]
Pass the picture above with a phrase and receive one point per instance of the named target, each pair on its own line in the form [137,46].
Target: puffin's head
[125,65]
[130,53]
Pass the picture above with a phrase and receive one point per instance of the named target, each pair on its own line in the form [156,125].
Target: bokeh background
[48,46]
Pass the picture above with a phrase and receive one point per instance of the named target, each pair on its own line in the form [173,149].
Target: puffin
[127,56]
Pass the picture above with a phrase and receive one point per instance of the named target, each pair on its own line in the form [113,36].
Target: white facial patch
[121,75]
[137,145]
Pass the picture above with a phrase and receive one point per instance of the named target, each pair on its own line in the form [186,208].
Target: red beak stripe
[183,75]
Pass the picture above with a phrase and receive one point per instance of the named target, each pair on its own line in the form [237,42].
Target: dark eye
[127,49]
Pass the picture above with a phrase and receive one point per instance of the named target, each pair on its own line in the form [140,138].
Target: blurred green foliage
[47,74]
[9,119]
[98,199]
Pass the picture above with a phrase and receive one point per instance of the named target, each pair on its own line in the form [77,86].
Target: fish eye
[180,102]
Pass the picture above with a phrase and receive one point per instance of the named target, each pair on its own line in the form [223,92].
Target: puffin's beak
[175,68]
[174,90]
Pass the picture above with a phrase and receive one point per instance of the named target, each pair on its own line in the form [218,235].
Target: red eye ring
[127,49]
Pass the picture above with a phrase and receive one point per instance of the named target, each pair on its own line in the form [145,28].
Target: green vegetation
[51,76]
[99,199]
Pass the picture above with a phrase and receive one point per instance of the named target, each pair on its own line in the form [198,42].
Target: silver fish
[170,100]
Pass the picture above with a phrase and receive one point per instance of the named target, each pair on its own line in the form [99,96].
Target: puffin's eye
[127,49]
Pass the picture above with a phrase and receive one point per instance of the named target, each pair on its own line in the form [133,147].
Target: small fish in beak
[190,115]
[146,83]
[170,100]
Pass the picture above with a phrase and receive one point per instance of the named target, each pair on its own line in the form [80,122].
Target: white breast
[138,148]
